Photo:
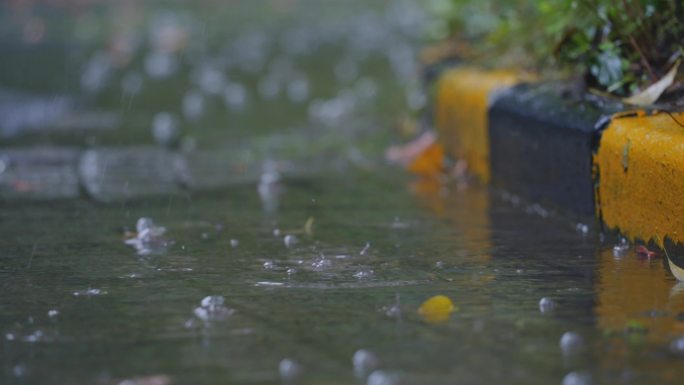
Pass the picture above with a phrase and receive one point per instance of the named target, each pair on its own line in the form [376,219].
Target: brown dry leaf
[651,94]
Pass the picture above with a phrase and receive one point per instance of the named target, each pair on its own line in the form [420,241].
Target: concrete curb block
[461,114]
[581,155]
[640,164]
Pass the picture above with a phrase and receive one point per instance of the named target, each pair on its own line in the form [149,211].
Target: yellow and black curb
[580,154]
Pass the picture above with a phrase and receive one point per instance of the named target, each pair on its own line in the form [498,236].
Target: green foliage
[618,46]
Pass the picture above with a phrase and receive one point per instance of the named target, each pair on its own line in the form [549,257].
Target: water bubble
[159,65]
[298,90]
[381,377]
[290,240]
[165,128]
[276,232]
[577,378]
[546,305]
[269,187]
[439,265]
[212,301]
[394,310]
[364,362]
[289,369]
[620,249]
[269,265]
[19,370]
[235,97]
[211,80]
[53,313]
[677,346]
[96,72]
[212,308]
[193,105]
[234,243]
[147,230]
[89,292]
[10,337]
[36,336]
[582,228]
[132,83]
[364,274]
[291,271]
[321,263]
[571,342]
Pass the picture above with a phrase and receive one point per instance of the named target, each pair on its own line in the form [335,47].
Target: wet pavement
[81,304]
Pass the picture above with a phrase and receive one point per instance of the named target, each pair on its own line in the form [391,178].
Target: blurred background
[230,85]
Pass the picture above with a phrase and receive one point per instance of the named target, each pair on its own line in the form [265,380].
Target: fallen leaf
[643,252]
[308,226]
[651,94]
[437,309]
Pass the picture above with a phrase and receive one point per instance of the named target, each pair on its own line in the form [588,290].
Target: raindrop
[212,308]
[193,106]
[234,243]
[96,72]
[620,249]
[364,362]
[571,342]
[394,310]
[298,90]
[582,229]
[211,80]
[364,274]
[159,65]
[381,377]
[439,265]
[365,249]
[165,128]
[290,240]
[291,271]
[132,83]
[19,370]
[53,313]
[89,293]
[321,264]
[577,378]
[235,97]
[677,346]
[269,265]
[147,230]
[10,337]
[212,301]
[546,305]
[289,369]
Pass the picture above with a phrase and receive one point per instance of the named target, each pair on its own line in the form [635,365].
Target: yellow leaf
[437,309]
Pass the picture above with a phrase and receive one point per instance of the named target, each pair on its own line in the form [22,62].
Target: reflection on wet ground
[233,295]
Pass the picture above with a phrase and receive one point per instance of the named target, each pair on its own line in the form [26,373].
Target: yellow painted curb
[462,101]
[641,176]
